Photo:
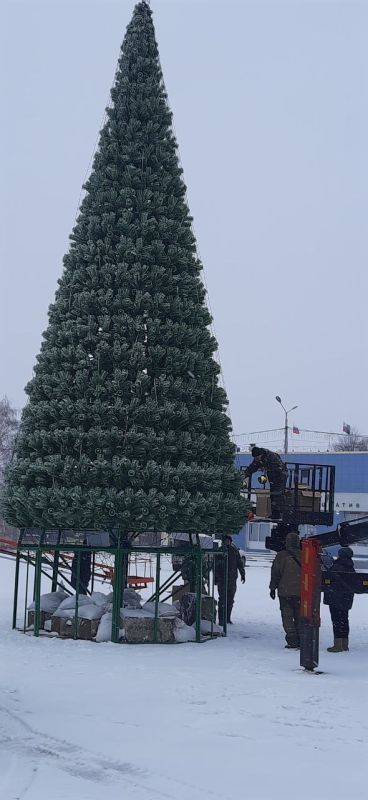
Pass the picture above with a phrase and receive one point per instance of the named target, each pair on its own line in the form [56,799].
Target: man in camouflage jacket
[272,465]
[286,578]
[235,564]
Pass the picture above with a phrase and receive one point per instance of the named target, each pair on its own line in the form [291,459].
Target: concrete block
[188,608]
[55,624]
[140,630]
[44,616]
[86,628]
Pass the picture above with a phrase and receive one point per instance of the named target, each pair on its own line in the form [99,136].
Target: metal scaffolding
[49,552]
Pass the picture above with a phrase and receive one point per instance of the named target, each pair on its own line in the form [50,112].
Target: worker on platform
[272,465]
[285,577]
[339,597]
[235,564]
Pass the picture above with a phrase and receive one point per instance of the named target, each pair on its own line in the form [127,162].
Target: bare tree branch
[8,429]
[352,441]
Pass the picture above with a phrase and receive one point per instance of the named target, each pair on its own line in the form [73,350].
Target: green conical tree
[125,424]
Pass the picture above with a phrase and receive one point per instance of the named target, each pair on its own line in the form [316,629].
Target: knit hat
[256,451]
[345,552]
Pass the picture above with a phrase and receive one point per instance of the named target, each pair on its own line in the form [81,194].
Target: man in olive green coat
[285,577]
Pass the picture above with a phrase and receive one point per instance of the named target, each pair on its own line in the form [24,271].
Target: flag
[346,428]
[295,429]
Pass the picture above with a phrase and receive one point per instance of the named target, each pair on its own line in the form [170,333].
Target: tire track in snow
[23,741]
[26,741]
[15,778]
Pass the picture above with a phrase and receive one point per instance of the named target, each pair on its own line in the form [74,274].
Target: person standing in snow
[285,577]
[85,571]
[235,564]
[339,597]
[275,469]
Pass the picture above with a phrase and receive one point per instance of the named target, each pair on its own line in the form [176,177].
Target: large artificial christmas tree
[125,424]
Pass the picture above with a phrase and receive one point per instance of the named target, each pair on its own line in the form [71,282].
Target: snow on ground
[228,719]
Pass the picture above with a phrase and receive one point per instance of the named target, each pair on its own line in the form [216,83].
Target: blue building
[351,494]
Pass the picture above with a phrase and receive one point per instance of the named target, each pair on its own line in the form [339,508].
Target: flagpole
[286,438]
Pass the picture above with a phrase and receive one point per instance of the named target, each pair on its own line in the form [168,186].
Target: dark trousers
[231,589]
[290,615]
[340,622]
[277,497]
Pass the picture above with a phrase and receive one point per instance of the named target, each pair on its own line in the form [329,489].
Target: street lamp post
[286,427]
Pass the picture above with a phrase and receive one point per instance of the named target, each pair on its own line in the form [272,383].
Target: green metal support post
[198,605]
[37,591]
[93,571]
[77,590]
[116,600]
[213,590]
[16,587]
[26,595]
[157,596]
[124,565]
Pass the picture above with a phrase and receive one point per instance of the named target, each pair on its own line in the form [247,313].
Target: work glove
[272,594]
[243,579]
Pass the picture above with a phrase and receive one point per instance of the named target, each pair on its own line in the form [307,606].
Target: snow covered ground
[228,719]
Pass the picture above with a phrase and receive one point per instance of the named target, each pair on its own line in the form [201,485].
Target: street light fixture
[286,427]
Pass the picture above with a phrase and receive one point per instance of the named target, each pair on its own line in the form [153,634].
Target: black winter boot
[292,642]
[337,646]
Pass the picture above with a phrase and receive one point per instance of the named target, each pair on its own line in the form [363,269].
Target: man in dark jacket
[85,571]
[273,466]
[339,597]
[285,577]
[235,564]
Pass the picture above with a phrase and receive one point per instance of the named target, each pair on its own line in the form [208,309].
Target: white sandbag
[69,602]
[164,609]
[141,613]
[64,613]
[208,627]
[99,598]
[183,632]
[50,602]
[85,611]
[131,599]
[105,628]
[91,611]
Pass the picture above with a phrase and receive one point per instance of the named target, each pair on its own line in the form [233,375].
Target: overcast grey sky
[270,111]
